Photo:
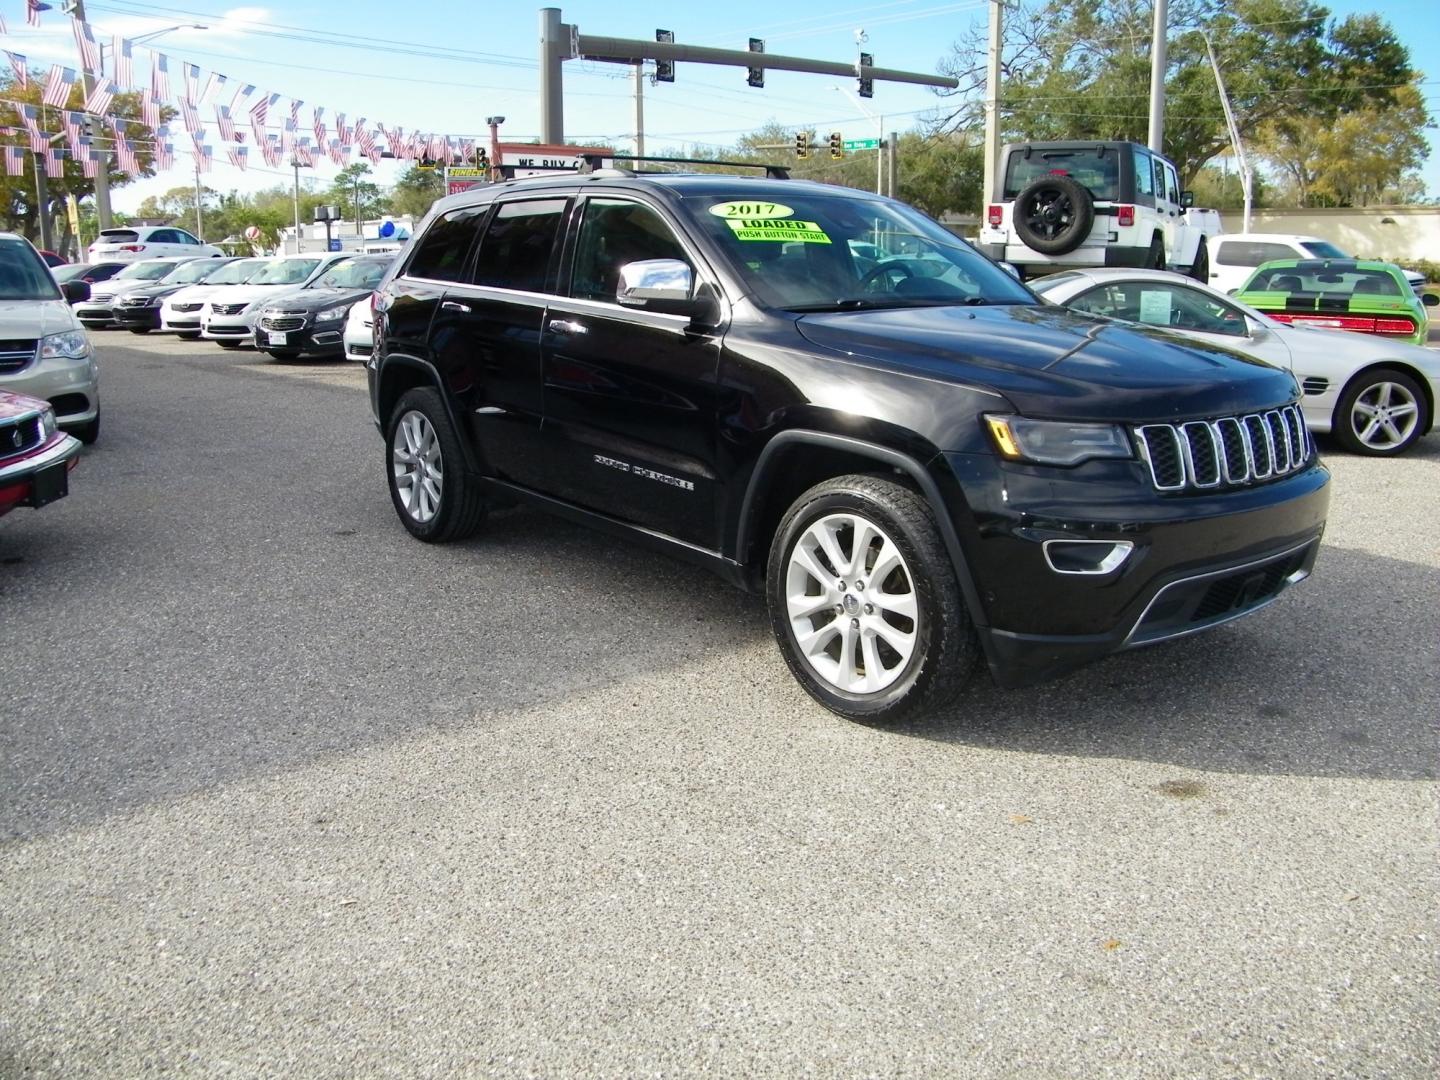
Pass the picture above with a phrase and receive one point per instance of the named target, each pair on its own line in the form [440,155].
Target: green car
[1340,294]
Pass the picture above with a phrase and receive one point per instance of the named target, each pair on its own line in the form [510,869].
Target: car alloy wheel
[851,602]
[1384,415]
[418,466]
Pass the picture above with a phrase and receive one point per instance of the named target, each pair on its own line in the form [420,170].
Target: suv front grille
[20,436]
[1233,450]
[16,355]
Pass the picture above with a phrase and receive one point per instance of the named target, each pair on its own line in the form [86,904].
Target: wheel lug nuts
[839,609]
[869,609]
[859,585]
[855,624]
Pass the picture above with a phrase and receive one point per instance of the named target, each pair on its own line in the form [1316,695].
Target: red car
[35,456]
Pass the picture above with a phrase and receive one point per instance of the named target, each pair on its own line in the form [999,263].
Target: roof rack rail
[592,162]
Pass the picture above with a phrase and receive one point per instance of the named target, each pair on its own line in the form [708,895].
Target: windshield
[145,271]
[353,275]
[70,270]
[285,272]
[1323,249]
[236,272]
[822,252]
[187,273]
[1098,173]
[23,274]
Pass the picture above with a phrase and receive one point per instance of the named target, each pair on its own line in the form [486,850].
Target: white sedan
[359,334]
[1376,396]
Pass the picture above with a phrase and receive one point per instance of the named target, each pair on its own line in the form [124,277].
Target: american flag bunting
[190,74]
[203,157]
[214,83]
[190,117]
[124,62]
[227,124]
[20,66]
[149,110]
[14,160]
[164,154]
[159,76]
[125,156]
[32,11]
[237,156]
[319,127]
[88,46]
[90,163]
[54,161]
[39,141]
[98,103]
[57,86]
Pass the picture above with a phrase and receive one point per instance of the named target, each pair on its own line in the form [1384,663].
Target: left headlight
[1055,442]
[333,313]
[71,345]
[47,424]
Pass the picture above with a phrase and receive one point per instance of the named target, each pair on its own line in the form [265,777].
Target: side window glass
[1263,252]
[1172,186]
[1113,301]
[1158,172]
[614,232]
[1233,253]
[1144,175]
[163,236]
[518,245]
[183,237]
[445,246]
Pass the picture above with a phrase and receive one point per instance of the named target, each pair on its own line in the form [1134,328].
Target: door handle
[455,305]
[568,326]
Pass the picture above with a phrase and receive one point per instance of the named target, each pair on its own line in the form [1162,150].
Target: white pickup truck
[1103,203]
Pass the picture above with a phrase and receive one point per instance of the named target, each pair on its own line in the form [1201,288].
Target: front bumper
[228,328]
[72,387]
[18,479]
[1197,560]
[311,339]
[134,318]
[95,315]
[1084,256]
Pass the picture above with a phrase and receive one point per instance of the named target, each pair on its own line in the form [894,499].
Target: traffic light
[755,76]
[867,85]
[802,144]
[482,159]
[665,69]
[835,148]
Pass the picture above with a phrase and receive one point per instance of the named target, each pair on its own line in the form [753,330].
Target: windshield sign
[838,252]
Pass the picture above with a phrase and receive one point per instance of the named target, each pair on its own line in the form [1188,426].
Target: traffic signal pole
[560,41]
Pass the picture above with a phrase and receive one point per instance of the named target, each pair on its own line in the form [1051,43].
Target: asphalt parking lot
[285,793]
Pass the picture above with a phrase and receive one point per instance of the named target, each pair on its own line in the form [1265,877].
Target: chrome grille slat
[1201,455]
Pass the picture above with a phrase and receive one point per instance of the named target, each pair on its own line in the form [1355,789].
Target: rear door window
[519,246]
[1098,173]
[445,248]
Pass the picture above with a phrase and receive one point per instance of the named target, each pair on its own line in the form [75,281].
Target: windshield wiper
[866,303]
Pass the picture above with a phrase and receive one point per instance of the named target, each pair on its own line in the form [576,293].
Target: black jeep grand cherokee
[824,394]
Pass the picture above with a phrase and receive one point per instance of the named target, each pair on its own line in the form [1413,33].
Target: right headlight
[1056,442]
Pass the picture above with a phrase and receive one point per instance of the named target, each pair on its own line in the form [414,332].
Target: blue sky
[445,65]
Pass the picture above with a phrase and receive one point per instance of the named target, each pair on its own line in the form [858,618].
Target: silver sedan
[1376,396]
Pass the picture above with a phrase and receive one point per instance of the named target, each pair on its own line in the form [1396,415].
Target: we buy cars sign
[529,159]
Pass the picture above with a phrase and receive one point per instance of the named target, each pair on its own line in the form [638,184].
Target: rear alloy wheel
[864,602]
[1381,414]
[437,498]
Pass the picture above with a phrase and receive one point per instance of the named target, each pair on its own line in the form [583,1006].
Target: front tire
[1381,414]
[139,329]
[436,497]
[89,431]
[224,344]
[188,335]
[865,604]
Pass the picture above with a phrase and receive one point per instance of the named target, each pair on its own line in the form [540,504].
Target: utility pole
[552,86]
[42,200]
[295,164]
[1236,144]
[991,182]
[894,191]
[102,170]
[494,122]
[1157,77]
[640,108]
[199,221]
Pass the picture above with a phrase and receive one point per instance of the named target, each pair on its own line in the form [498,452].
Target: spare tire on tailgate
[1053,215]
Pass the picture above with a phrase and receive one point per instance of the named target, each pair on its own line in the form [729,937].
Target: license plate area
[278,337]
[49,484]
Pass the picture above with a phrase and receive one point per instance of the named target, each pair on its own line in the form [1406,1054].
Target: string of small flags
[112,72]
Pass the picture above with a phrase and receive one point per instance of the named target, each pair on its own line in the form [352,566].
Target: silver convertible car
[1376,396]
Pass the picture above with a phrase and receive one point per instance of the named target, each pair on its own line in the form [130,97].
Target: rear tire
[436,497]
[139,329]
[228,344]
[1381,414]
[865,604]
[1156,259]
[188,335]
[1200,268]
[284,354]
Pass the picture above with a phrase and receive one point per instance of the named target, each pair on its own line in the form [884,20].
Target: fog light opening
[1086,556]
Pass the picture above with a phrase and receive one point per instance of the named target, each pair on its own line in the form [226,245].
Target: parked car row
[237,302]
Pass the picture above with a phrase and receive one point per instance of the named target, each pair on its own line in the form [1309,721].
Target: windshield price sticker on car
[805,232]
[751,210]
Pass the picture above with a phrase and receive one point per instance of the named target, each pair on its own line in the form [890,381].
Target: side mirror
[666,286]
[1429,299]
[1013,270]
[1187,199]
[75,291]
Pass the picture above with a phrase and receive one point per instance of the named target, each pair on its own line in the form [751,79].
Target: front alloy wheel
[435,494]
[851,603]
[865,603]
[1382,414]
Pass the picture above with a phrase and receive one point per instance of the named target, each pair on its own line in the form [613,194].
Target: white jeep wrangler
[1071,204]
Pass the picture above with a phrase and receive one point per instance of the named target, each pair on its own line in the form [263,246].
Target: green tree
[415,190]
[940,173]
[353,189]
[19,208]
[1080,69]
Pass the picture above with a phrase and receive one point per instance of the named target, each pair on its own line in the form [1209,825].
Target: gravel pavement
[284,793]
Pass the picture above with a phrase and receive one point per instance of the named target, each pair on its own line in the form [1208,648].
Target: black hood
[1052,362]
[160,289]
[318,299]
